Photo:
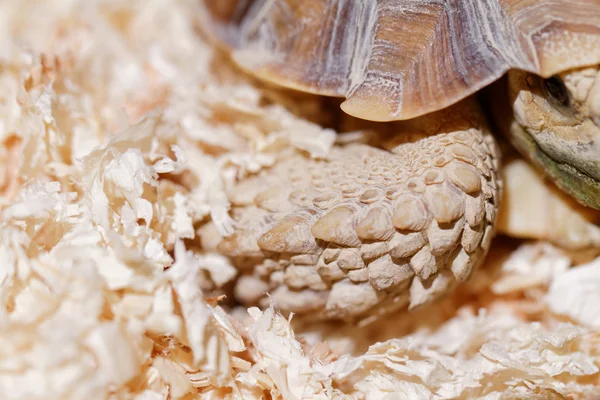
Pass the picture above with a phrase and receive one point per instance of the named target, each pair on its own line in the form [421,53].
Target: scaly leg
[370,230]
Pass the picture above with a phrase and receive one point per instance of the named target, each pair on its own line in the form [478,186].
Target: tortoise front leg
[368,230]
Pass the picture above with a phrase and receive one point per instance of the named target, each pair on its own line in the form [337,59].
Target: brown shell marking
[398,59]
[373,229]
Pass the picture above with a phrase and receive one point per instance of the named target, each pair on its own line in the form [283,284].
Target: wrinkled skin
[557,127]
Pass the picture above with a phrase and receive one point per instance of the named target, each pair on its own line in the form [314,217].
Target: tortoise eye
[556,89]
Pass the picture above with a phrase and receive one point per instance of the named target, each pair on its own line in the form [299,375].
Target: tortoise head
[557,125]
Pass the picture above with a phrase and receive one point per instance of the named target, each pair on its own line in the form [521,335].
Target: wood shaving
[120,132]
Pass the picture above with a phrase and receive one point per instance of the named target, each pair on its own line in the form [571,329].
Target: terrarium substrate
[121,130]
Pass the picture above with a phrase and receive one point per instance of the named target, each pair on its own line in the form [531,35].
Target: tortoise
[397,221]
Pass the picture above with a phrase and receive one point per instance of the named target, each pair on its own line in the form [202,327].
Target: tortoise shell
[399,59]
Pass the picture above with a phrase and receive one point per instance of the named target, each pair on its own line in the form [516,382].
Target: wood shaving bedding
[119,138]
